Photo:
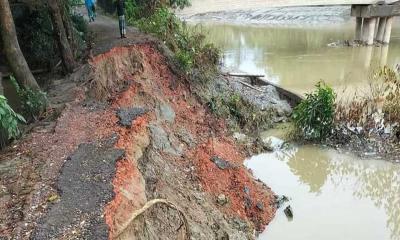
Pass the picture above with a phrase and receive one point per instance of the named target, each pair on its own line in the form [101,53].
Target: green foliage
[185,59]
[163,23]
[76,2]
[35,35]
[146,8]
[132,11]
[187,43]
[244,114]
[33,102]
[179,3]
[313,117]
[9,119]
[80,23]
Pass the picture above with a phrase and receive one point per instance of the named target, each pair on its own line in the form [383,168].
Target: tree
[61,36]
[15,58]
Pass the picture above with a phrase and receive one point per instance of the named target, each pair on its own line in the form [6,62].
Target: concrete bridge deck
[203,6]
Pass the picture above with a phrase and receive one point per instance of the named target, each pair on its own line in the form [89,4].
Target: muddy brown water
[297,58]
[334,195]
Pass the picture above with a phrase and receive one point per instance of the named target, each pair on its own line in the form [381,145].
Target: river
[334,194]
[293,52]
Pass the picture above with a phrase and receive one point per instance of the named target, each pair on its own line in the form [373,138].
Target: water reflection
[297,58]
[334,195]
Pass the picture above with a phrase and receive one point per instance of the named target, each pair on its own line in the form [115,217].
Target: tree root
[147,206]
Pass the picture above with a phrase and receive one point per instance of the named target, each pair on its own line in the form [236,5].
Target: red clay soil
[232,182]
[192,116]
[79,124]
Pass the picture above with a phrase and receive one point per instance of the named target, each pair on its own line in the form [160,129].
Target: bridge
[374,18]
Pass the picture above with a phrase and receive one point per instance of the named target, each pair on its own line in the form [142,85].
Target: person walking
[121,17]
[90,6]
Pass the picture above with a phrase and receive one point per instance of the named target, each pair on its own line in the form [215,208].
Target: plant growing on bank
[188,44]
[137,9]
[376,109]
[9,121]
[313,118]
[33,102]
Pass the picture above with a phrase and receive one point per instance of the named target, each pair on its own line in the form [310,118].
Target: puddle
[333,195]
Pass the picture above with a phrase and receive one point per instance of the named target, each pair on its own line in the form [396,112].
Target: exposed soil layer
[49,175]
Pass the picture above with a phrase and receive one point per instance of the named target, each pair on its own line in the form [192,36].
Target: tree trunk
[15,58]
[59,31]
[67,23]
[1,84]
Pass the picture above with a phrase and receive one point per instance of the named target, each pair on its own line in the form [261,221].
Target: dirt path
[67,179]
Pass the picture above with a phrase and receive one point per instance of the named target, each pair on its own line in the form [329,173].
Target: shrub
[377,107]
[9,119]
[313,117]
[80,23]
[188,44]
[391,93]
[145,8]
[33,102]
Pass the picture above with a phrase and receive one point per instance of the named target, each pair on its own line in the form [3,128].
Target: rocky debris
[222,199]
[271,95]
[165,112]
[221,163]
[127,115]
[280,200]
[272,143]
[240,137]
[248,203]
[185,136]
[246,190]
[288,212]
[85,187]
[240,224]
[260,206]
[268,100]
[161,140]
[366,144]
[351,43]
[205,220]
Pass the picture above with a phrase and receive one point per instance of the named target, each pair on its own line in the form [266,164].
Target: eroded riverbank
[127,130]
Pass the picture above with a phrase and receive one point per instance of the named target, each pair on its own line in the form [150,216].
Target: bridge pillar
[368,51]
[368,31]
[384,55]
[388,30]
[359,21]
[381,29]
[378,19]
